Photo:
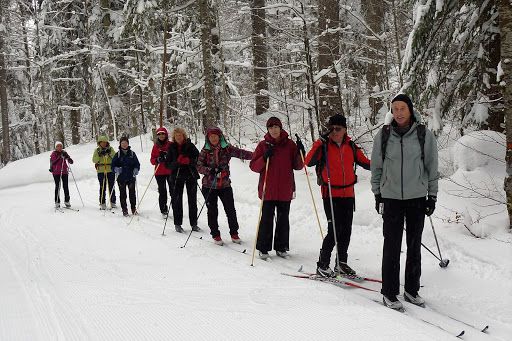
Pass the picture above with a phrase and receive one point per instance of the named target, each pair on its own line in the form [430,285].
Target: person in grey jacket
[404,181]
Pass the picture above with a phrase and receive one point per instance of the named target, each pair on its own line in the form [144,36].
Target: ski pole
[136,188]
[111,191]
[74,180]
[102,195]
[57,199]
[333,221]
[443,262]
[143,194]
[172,195]
[261,210]
[311,191]
[214,184]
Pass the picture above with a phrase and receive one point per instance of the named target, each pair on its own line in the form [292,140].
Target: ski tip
[461,333]
[244,251]
[484,330]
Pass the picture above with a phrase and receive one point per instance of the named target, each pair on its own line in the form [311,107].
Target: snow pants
[162,180]
[226,196]
[177,200]
[395,212]
[131,192]
[343,213]
[282,235]
[110,181]
[59,185]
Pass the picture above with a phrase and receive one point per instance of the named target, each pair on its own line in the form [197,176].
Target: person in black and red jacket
[213,163]
[182,159]
[334,156]
[162,174]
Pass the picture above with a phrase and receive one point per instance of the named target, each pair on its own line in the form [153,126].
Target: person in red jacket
[335,156]
[283,157]
[162,174]
[213,163]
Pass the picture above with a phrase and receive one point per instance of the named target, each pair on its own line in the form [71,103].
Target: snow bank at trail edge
[479,162]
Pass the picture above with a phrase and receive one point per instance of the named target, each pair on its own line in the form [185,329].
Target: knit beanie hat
[406,99]
[274,121]
[337,120]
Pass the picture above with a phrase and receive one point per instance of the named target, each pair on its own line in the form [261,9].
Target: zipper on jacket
[402,166]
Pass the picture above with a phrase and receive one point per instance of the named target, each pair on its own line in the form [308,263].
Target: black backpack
[386,132]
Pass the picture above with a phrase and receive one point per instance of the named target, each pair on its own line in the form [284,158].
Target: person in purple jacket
[59,168]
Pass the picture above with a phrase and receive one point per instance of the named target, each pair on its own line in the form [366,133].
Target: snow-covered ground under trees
[88,275]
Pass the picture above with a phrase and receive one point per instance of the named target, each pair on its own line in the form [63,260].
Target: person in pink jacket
[59,168]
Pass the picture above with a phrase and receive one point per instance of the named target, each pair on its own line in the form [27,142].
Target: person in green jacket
[102,159]
[404,180]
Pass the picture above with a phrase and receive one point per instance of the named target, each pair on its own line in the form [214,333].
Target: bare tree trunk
[310,89]
[28,65]
[74,116]
[162,83]
[505,19]
[259,52]
[496,108]
[397,42]
[209,117]
[328,54]
[6,144]
[374,15]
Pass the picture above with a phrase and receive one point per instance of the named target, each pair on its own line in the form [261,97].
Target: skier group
[404,180]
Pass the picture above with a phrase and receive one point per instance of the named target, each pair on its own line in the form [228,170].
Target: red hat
[274,121]
[162,130]
[213,130]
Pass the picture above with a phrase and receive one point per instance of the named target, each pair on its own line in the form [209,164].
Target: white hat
[57,143]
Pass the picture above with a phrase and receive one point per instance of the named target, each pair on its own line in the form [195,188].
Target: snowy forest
[73,70]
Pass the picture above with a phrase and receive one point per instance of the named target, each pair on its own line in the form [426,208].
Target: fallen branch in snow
[474,235]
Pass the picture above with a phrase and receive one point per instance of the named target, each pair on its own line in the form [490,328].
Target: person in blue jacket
[126,166]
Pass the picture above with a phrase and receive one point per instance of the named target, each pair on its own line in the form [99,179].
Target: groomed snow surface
[88,275]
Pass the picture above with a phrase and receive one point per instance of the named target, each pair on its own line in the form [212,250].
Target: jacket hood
[217,131]
[103,138]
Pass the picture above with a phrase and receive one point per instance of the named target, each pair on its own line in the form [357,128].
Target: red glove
[184,160]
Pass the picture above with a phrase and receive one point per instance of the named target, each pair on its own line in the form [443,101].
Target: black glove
[378,201]
[103,152]
[268,153]
[430,205]
[300,146]
[163,154]
[160,159]
[65,155]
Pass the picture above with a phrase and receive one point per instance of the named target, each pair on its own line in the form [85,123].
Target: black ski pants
[110,181]
[177,200]
[59,185]
[343,213]
[226,196]
[162,181]
[411,211]
[282,235]
[131,192]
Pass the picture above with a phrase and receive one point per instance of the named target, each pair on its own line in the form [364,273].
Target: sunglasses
[160,134]
[337,129]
